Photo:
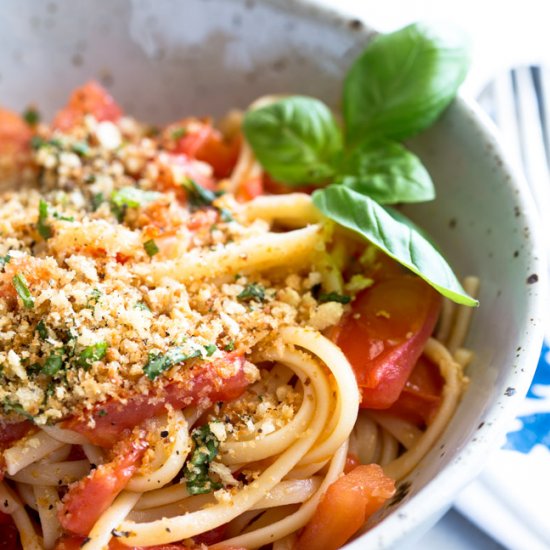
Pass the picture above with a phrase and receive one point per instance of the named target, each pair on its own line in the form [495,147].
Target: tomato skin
[204,381]
[421,396]
[9,535]
[385,334]
[10,432]
[15,133]
[345,507]
[89,99]
[250,189]
[88,498]
[203,142]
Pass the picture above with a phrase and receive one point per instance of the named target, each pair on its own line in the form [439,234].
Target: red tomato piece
[89,99]
[9,535]
[345,507]
[250,189]
[201,141]
[75,543]
[385,334]
[10,432]
[421,396]
[204,381]
[15,133]
[352,461]
[88,498]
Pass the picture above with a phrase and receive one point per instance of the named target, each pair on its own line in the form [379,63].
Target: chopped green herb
[42,226]
[230,346]
[90,178]
[93,353]
[225,215]
[22,289]
[42,330]
[179,133]
[59,216]
[37,142]
[97,200]
[81,148]
[54,363]
[210,349]
[142,306]
[102,412]
[31,116]
[252,291]
[335,297]
[196,470]
[11,407]
[133,197]
[198,195]
[158,363]
[4,260]
[151,247]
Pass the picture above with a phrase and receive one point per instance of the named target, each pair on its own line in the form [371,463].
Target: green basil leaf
[295,139]
[22,289]
[403,81]
[91,354]
[393,234]
[387,173]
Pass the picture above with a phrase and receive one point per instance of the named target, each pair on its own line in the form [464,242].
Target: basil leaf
[393,234]
[295,139]
[43,228]
[252,291]
[196,469]
[54,363]
[198,195]
[334,297]
[387,173]
[91,354]
[403,81]
[151,247]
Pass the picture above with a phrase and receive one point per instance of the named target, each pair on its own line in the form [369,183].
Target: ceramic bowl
[162,60]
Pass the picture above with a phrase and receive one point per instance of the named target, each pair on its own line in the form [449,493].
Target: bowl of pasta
[264,280]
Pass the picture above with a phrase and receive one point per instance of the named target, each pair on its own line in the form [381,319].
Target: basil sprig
[398,87]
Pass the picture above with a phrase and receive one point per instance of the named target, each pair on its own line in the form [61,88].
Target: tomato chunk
[15,133]
[345,507]
[421,396]
[9,535]
[88,498]
[384,335]
[205,381]
[89,99]
[250,189]
[198,139]
[10,432]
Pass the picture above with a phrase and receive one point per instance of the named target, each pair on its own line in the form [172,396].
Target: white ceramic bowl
[169,58]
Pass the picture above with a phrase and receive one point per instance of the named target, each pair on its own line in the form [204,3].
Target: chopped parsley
[334,297]
[210,349]
[142,306]
[178,133]
[151,247]
[230,346]
[11,407]
[22,289]
[158,362]
[81,148]
[90,354]
[97,200]
[42,226]
[54,363]
[133,197]
[4,260]
[38,142]
[31,116]
[198,196]
[252,291]
[42,329]
[196,469]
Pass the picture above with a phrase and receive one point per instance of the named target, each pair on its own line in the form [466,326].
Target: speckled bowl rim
[433,500]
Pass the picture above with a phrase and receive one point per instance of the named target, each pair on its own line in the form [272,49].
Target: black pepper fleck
[509,392]
[533,278]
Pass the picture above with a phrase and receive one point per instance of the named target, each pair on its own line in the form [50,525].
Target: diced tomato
[75,543]
[250,189]
[199,140]
[174,169]
[202,382]
[15,133]
[385,334]
[88,498]
[421,396]
[352,461]
[345,507]
[9,535]
[89,99]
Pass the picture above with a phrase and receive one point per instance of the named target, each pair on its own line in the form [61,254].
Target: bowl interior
[165,60]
